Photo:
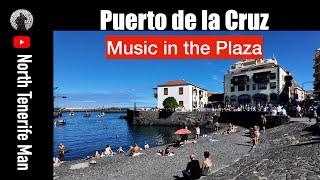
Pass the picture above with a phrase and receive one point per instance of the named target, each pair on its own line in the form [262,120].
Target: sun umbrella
[182,131]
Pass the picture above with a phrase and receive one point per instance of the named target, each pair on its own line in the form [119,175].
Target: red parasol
[182,131]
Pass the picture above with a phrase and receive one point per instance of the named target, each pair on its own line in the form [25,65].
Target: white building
[258,81]
[188,96]
[297,92]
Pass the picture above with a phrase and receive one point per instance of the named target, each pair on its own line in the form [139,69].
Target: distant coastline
[106,110]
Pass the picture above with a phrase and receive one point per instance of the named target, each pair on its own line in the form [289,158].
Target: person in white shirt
[273,111]
[279,109]
[299,111]
[197,132]
[146,146]
[264,109]
[284,112]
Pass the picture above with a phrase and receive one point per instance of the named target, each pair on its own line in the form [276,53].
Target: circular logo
[21,20]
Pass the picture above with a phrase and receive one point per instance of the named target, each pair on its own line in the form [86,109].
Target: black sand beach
[284,152]
[225,151]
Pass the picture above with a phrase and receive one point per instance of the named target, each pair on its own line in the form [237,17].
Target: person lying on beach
[161,152]
[206,164]
[120,150]
[168,151]
[231,128]
[135,150]
[177,143]
[108,151]
[190,142]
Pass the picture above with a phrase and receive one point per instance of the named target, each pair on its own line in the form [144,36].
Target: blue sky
[88,79]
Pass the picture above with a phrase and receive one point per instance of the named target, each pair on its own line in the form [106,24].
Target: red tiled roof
[175,83]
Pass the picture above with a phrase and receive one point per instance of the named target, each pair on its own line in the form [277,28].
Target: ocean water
[82,136]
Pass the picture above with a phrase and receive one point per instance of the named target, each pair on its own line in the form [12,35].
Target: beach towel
[171,154]
[137,154]
[79,165]
[211,140]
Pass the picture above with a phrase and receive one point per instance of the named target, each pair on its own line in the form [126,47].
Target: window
[273,85]
[262,85]
[248,88]
[232,89]
[272,75]
[165,91]
[181,103]
[253,86]
[241,88]
[180,90]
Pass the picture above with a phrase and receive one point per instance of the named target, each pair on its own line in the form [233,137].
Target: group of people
[108,152]
[308,111]
[194,170]
[273,110]
[168,151]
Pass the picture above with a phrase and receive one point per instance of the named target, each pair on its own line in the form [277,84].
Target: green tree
[170,103]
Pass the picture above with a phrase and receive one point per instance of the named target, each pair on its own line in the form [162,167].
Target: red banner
[184,47]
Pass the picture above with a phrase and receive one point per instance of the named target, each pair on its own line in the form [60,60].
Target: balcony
[263,77]
[240,80]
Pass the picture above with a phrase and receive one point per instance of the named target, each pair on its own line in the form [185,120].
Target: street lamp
[306,82]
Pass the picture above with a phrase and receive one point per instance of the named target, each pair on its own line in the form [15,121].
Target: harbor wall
[205,119]
[175,119]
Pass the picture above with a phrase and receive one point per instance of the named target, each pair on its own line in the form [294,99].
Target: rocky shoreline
[289,151]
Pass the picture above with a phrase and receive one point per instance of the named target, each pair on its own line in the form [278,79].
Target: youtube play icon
[21,42]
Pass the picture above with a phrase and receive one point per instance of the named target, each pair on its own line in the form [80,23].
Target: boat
[101,115]
[71,114]
[61,122]
[87,114]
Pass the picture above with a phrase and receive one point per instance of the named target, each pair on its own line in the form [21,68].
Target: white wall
[279,81]
[186,97]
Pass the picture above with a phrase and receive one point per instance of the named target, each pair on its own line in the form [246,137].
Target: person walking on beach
[312,113]
[256,135]
[216,126]
[197,132]
[298,110]
[61,150]
[193,170]
[207,164]
[264,123]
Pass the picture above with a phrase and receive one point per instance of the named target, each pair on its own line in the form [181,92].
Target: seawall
[171,119]
[244,119]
